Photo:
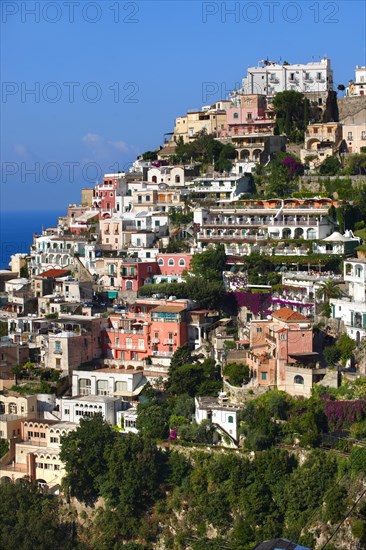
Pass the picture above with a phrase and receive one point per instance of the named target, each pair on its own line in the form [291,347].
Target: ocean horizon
[17,228]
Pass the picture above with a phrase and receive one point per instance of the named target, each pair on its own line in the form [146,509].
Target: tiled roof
[287,314]
[54,273]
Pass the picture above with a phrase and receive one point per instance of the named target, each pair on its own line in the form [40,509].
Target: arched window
[128,285]
[13,409]
[298,379]
[154,179]
[182,262]
[160,261]
[236,115]
[230,419]
[177,179]
[171,262]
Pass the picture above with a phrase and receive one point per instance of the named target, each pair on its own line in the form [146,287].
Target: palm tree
[329,289]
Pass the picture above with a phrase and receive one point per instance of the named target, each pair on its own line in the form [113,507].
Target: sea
[17,228]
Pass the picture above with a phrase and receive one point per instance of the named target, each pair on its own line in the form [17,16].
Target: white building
[56,252]
[72,409]
[270,78]
[223,189]
[357,87]
[126,384]
[220,412]
[126,420]
[352,310]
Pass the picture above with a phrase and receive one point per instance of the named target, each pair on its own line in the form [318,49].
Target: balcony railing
[162,353]
[169,341]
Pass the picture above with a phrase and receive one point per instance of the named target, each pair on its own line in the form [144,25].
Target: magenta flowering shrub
[294,168]
[341,414]
[256,303]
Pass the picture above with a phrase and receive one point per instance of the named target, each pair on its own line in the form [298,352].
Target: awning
[112,294]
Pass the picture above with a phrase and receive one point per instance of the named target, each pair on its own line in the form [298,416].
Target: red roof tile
[54,273]
[287,314]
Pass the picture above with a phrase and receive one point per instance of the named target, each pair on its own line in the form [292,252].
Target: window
[120,387]
[298,379]
[128,285]
[148,198]
[141,343]
[84,386]
[13,409]
[43,435]
[171,262]
[259,329]
[363,135]
[66,411]
[102,387]
[236,115]
[57,345]
[230,419]
[264,376]
[160,261]
[292,76]
[249,116]
[329,130]
[129,343]
[182,262]
[54,439]
[282,336]
[350,136]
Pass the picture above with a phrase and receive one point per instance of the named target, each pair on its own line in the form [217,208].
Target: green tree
[152,419]
[332,355]
[346,345]
[149,155]
[330,166]
[31,519]
[209,264]
[335,504]
[135,469]
[181,356]
[327,290]
[291,108]
[84,452]
[237,373]
[3,328]
[356,165]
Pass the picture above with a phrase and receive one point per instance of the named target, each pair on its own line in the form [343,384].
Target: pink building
[173,264]
[286,339]
[104,196]
[134,274]
[150,328]
[250,117]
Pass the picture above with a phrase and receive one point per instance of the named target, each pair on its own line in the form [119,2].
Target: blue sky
[111,77]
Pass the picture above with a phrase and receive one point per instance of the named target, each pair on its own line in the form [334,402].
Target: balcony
[162,353]
[169,341]
[57,351]
[155,340]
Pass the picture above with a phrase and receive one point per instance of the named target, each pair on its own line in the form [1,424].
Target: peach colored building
[285,339]
[37,456]
[151,328]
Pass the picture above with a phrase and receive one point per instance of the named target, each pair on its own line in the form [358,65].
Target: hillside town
[227,266]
